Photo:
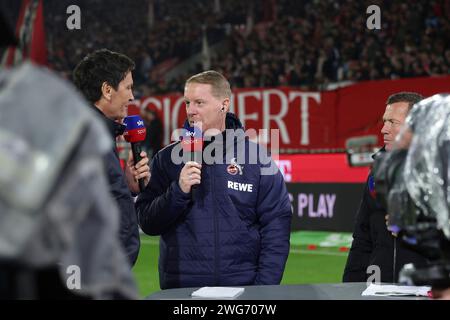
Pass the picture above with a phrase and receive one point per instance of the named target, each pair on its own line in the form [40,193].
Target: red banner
[31,34]
[320,168]
[306,120]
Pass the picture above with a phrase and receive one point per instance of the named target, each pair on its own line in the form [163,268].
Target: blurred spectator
[153,139]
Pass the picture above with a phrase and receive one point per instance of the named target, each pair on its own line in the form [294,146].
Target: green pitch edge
[321,239]
[306,238]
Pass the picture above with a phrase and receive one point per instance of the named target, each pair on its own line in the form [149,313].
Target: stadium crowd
[307,44]
[150,39]
[312,44]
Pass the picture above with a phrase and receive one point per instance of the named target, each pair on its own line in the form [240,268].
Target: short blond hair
[220,87]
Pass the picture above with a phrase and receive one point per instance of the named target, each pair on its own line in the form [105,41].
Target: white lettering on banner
[241,105]
[304,117]
[147,101]
[247,187]
[275,117]
[170,108]
[325,205]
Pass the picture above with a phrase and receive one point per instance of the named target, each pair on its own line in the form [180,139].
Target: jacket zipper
[216,230]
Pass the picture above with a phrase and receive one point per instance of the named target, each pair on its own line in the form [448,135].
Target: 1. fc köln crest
[234,168]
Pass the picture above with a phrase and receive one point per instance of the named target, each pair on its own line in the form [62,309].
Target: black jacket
[128,229]
[373,244]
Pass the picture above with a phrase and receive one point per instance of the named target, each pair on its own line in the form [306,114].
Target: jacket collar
[115,129]
[379,152]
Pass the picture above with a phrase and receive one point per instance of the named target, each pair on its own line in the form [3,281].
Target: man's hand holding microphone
[137,170]
[135,173]
[190,175]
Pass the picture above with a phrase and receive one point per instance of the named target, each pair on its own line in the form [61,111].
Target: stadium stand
[307,44]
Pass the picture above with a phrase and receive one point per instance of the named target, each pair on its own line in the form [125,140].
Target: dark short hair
[410,97]
[98,67]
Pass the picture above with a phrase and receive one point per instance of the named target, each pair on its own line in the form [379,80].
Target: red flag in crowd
[31,35]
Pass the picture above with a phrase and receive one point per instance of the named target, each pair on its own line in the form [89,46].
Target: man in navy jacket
[105,78]
[235,228]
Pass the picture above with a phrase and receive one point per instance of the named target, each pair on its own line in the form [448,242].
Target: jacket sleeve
[128,230]
[275,215]
[362,245]
[162,202]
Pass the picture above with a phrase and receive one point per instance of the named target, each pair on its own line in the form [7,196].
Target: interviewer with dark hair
[105,79]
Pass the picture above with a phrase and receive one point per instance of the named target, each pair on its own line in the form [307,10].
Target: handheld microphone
[192,144]
[135,133]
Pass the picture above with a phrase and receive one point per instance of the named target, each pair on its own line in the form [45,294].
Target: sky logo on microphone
[194,131]
[192,144]
[192,140]
[135,131]
[133,122]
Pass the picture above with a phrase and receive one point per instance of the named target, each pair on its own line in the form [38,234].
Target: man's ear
[226,105]
[106,91]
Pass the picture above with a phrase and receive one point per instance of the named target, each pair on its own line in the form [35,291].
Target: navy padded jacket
[235,232]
